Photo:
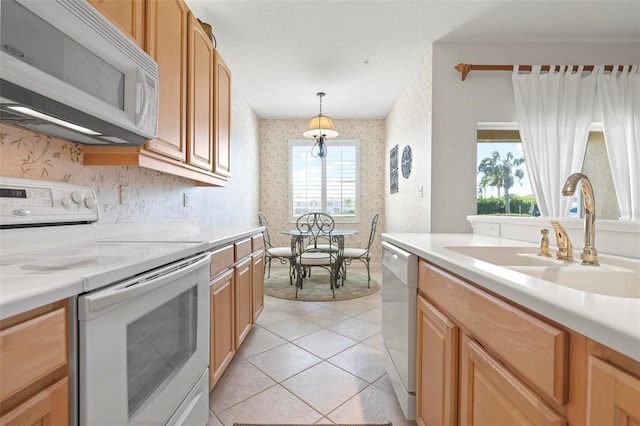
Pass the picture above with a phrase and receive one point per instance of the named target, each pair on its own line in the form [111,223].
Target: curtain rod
[465,69]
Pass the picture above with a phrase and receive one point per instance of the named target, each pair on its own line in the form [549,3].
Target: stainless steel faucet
[589,254]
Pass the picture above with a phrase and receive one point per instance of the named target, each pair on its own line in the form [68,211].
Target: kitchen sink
[506,256]
[616,276]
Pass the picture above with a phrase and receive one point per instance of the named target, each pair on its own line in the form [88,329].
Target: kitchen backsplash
[151,195]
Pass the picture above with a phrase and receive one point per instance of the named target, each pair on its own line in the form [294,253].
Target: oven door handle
[138,286]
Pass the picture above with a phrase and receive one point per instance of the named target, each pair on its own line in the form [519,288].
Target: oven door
[143,344]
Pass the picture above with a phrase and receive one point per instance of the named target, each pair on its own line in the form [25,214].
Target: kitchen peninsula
[518,343]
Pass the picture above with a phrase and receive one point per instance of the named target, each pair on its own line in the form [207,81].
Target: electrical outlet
[185,200]
[125,194]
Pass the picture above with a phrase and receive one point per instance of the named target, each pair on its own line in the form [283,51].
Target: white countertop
[612,321]
[29,279]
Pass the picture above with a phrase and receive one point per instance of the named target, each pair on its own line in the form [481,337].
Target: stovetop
[49,246]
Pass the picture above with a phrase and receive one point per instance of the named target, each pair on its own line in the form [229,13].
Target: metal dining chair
[283,254]
[362,254]
[312,227]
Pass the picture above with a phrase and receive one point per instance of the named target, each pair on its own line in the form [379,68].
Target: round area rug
[316,288]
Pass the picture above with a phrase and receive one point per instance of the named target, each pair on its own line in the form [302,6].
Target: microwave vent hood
[66,71]
[109,134]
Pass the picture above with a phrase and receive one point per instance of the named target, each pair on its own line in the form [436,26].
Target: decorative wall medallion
[406,161]
[393,170]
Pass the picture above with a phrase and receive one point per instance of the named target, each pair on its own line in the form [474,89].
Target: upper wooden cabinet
[193,139]
[200,94]
[167,26]
[222,116]
[127,15]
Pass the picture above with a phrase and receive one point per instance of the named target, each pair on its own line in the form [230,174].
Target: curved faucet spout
[589,253]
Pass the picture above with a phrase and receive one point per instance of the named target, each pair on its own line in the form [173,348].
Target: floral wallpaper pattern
[274,176]
[409,124]
[149,195]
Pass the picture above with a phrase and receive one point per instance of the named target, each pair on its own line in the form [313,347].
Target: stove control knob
[90,203]
[66,202]
[77,196]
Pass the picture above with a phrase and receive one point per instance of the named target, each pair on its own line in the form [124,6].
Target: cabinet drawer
[31,350]
[257,242]
[243,249]
[50,406]
[491,395]
[534,348]
[221,259]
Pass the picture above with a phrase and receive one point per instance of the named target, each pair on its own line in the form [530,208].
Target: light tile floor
[310,362]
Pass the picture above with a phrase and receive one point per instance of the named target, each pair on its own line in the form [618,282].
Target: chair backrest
[262,219]
[315,225]
[374,225]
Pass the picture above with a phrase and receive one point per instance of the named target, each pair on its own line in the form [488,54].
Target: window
[329,184]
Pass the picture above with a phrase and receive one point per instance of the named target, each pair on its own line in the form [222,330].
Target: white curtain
[619,99]
[554,114]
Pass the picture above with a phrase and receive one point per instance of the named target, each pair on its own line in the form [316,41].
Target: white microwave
[65,70]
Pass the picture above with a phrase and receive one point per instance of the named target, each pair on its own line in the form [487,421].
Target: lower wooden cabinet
[437,367]
[244,312]
[613,395]
[257,287]
[34,366]
[490,395]
[237,299]
[483,360]
[50,406]
[222,325]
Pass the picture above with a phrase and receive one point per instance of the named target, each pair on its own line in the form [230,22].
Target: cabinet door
[50,406]
[200,95]
[167,44]
[222,117]
[613,395]
[490,395]
[437,367]
[257,289]
[244,313]
[222,329]
[127,15]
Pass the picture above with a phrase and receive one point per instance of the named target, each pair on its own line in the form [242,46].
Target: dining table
[336,235]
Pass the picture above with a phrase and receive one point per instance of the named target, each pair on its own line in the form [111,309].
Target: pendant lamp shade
[320,125]
[320,128]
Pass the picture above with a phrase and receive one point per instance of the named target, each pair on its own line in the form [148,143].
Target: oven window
[158,345]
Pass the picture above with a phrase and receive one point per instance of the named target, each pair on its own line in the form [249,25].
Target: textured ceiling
[363,53]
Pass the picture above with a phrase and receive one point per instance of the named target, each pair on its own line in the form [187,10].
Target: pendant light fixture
[320,128]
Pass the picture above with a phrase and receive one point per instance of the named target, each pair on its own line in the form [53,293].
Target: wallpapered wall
[155,196]
[274,176]
[409,123]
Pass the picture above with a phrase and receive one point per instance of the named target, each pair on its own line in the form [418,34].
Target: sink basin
[615,276]
[604,279]
[506,256]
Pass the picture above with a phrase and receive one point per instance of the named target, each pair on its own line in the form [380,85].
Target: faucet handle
[565,251]
[544,243]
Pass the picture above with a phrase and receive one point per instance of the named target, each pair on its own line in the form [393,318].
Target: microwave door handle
[141,285]
[142,98]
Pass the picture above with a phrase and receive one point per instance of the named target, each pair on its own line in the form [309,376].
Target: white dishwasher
[399,293]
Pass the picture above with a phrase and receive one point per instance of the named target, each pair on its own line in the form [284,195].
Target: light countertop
[612,321]
[29,279]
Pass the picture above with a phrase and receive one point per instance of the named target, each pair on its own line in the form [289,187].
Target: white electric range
[140,326]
